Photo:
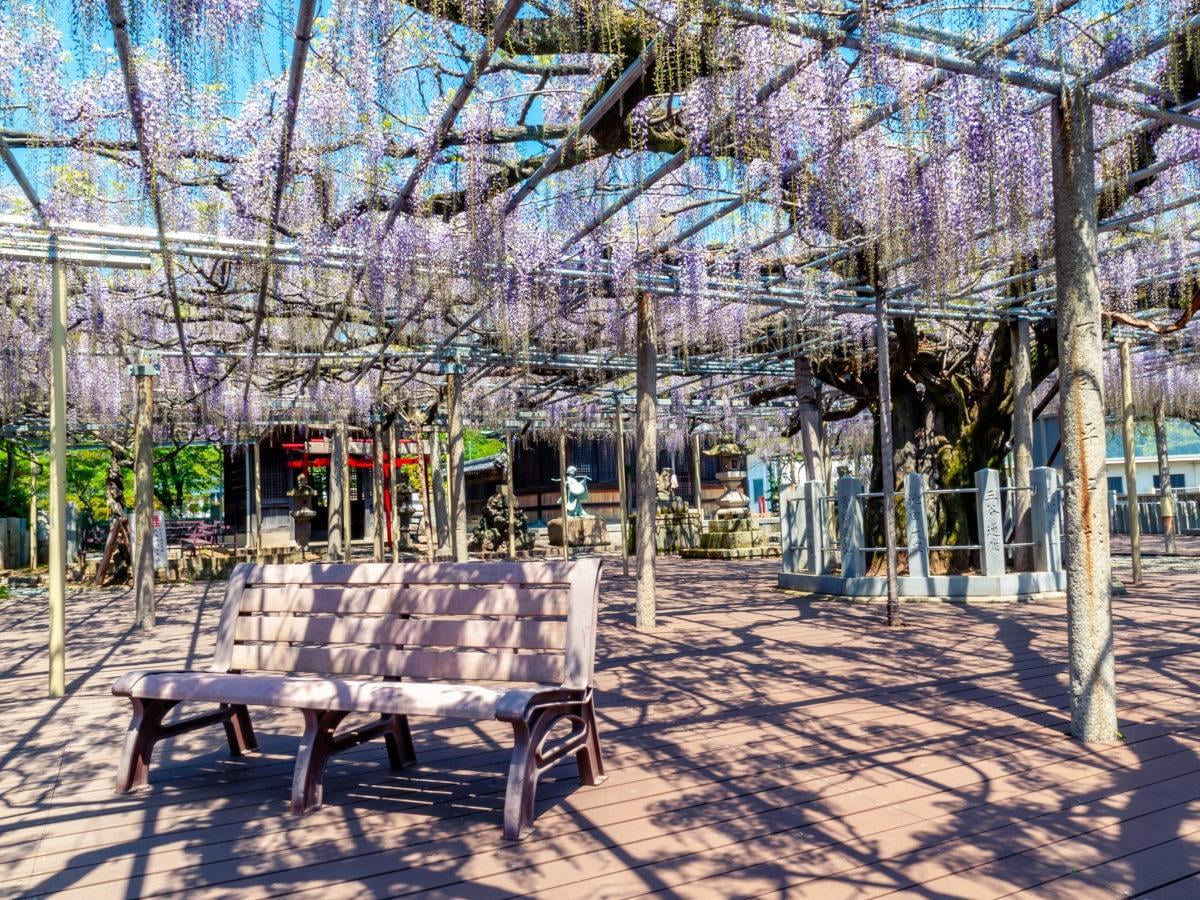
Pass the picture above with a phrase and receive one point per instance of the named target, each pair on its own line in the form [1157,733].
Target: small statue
[577,492]
[668,484]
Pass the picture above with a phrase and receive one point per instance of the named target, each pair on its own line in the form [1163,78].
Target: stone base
[962,588]
[584,531]
[673,531]
[763,552]
[734,537]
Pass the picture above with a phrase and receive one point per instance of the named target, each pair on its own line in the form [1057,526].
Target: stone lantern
[733,503]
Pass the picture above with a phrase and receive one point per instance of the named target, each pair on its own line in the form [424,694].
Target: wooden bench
[495,640]
[194,534]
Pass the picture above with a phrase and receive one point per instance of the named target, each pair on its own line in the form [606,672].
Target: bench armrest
[516,706]
[126,685]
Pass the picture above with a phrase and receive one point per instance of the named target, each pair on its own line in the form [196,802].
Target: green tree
[185,474]
[87,471]
[476,444]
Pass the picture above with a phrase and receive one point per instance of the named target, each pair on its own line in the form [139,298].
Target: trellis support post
[58,481]
[143,494]
[1166,492]
[1129,446]
[457,461]
[1081,414]
[1022,446]
[646,459]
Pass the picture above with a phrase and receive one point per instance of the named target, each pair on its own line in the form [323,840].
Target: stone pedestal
[582,531]
[731,538]
[674,531]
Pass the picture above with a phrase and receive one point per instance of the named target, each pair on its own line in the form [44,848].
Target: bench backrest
[474,621]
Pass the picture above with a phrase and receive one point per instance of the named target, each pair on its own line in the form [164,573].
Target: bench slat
[415,600]
[477,633]
[453,665]
[510,573]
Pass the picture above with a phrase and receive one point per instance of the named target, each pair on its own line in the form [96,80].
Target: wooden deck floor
[756,745]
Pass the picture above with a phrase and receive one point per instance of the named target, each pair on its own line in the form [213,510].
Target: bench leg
[522,782]
[591,764]
[239,731]
[399,742]
[316,746]
[145,730]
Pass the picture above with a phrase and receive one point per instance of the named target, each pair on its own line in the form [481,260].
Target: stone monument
[677,526]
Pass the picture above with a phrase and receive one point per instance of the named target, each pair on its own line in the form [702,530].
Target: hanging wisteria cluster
[767,169]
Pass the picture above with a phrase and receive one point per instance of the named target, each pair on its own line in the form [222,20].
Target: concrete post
[622,487]
[647,458]
[1022,447]
[336,509]
[850,527]
[916,521]
[143,496]
[793,522]
[989,516]
[887,457]
[809,413]
[1081,391]
[457,463]
[1045,516]
[817,558]
[1129,445]
[1166,493]
[58,481]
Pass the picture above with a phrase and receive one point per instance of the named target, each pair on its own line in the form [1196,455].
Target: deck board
[756,744]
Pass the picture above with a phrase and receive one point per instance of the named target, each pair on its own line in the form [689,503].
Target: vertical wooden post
[336,509]
[1022,447]
[347,493]
[427,474]
[437,485]
[646,458]
[34,469]
[887,458]
[248,471]
[58,480]
[457,462]
[1129,445]
[378,504]
[1081,391]
[511,505]
[622,488]
[393,482]
[1166,493]
[697,484]
[562,497]
[809,412]
[143,495]
[258,518]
